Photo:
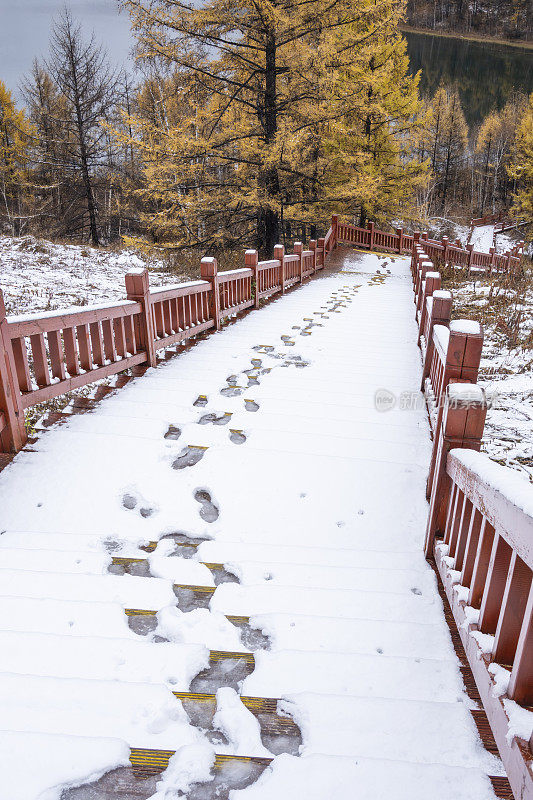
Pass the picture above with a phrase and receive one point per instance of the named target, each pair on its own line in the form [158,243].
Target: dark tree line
[510,19]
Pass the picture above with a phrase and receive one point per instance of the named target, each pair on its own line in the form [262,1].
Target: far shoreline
[520,44]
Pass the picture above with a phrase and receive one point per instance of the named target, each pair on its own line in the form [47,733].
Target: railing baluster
[71,352]
[515,596]
[20,354]
[84,345]
[97,343]
[56,355]
[491,602]
[40,360]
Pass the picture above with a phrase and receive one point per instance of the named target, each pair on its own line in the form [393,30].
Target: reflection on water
[485,73]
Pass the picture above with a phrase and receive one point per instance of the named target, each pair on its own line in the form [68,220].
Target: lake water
[486,74]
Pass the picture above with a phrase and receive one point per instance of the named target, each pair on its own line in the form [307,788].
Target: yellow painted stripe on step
[223,655]
[123,561]
[196,589]
[212,565]
[237,620]
[222,758]
[266,705]
[154,761]
[139,612]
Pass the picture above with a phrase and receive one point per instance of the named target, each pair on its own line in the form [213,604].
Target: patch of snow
[484,640]
[239,725]
[465,326]
[190,764]
[520,721]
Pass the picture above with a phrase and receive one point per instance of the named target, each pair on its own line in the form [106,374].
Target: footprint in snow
[130,502]
[237,437]
[212,418]
[251,405]
[208,511]
[231,391]
[188,457]
[200,401]
[173,432]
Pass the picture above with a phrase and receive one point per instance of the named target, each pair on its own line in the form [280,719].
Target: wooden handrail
[503,496]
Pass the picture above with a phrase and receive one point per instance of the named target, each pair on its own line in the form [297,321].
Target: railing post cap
[208,267]
[137,282]
[249,252]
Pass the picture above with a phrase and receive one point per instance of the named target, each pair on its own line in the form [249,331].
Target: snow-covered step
[342,603]
[289,631]
[316,777]
[55,760]
[280,673]
[99,658]
[356,557]
[392,727]
[64,617]
[130,591]
[147,715]
[177,570]
[369,579]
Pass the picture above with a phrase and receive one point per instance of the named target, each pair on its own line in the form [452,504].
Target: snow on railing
[480,527]
[47,354]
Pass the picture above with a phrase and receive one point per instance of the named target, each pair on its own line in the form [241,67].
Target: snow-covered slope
[37,275]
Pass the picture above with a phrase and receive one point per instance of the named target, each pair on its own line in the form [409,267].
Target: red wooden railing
[443,252]
[45,355]
[480,526]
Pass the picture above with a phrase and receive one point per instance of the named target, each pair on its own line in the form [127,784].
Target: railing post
[298,250]
[470,248]
[209,272]
[312,247]
[334,229]
[463,420]
[445,244]
[399,233]
[251,260]
[321,248]
[13,434]
[279,255]
[492,251]
[508,266]
[441,312]
[371,229]
[138,288]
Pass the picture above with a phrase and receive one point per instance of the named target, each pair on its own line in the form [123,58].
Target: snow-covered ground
[506,372]
[38,275]
[312,496]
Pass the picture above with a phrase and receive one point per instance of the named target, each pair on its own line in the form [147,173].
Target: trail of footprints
[279,733]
